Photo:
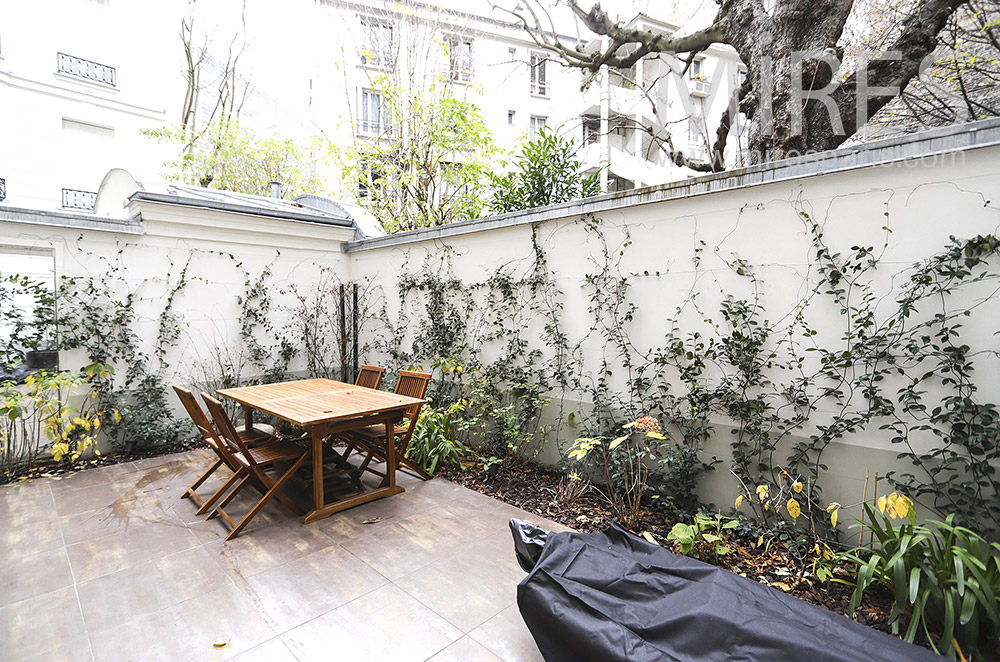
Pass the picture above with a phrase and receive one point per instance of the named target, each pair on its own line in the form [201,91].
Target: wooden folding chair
[372,439]
[369,376]
[253,464]
[208,433]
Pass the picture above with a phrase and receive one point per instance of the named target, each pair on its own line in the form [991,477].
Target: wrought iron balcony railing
[73,199]
[3,189]
[77,66]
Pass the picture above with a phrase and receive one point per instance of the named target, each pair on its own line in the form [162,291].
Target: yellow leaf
[221,644]
[616,443]
[881,504]
[832,506]
[767,505]
[97,452]
[739,500]
[762,492]
[760,541]
[794,509]
[902,506]
[655,435]
[782,585]
[833,517]
[890,509]
[797,486]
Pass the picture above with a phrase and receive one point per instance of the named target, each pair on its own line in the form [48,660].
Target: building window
[367,180]
[510,117]
[694,72]
[376,43]
[80,68]
[539,84]
[591,130]
[459,59]
[373,114]
[537,124]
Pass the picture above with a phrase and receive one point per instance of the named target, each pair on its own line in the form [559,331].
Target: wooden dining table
[324,408]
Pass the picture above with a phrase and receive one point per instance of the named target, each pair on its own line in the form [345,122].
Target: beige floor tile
[121,596]
[466,649]
[486,582]
[137,544]
[106,496]
[305,588]
[77,651]
[273,650]
[382,625]
[41,624]
[24,575]
[124,513]
[38,536]
[378,514]
[95,476]
[403,547]
[20,507]
[261,549]
[188,631]
[506,636]
[156,582]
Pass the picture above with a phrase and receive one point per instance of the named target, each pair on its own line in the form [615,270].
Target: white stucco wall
[926,200]
[932,186]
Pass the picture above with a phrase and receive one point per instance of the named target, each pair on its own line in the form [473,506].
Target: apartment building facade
[78,92]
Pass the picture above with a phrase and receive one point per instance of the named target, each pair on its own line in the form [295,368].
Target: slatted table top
[310,401]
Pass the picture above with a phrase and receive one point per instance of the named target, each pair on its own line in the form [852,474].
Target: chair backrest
[197,416]
[227,431]
[413,385]
[369,376]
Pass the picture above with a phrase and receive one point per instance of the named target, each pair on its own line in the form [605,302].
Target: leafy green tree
[426,161]
[232,157]
[547,172]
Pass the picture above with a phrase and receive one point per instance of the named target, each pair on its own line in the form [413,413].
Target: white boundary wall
[931,186]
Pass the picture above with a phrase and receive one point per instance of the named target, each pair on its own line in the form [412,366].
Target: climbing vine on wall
[896,363]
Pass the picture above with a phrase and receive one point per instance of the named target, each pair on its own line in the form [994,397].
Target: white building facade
[81,80]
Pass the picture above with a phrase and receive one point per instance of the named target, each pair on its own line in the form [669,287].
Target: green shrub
[705,534]
[945,580]
[433,443]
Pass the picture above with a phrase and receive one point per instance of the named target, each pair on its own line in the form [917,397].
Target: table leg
[317,458]
[390,454]
[248,418]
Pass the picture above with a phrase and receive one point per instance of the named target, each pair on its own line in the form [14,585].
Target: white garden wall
[685,240]
[687,237]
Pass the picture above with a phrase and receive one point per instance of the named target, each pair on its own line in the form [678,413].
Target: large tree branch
[626,46]
[918,38]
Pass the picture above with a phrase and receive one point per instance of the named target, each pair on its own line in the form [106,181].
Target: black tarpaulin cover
[613,596]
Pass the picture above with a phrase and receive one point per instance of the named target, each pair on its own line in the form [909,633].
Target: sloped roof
[194,196]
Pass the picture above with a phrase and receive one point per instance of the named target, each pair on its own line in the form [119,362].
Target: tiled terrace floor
[110,564]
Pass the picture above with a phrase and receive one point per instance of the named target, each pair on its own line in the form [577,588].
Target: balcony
[699,87]
[85,69]
[74,199]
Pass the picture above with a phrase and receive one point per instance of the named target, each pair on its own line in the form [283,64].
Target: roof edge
[180,201]
[958,138]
